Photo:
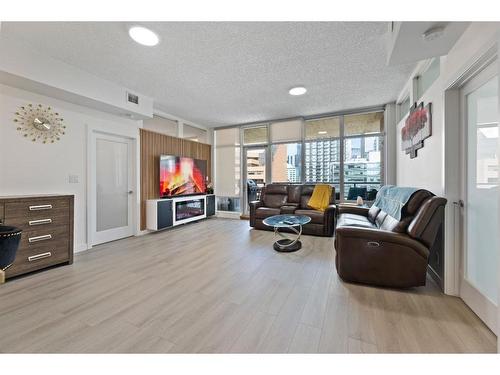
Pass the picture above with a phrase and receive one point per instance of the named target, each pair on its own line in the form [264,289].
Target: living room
[182,186]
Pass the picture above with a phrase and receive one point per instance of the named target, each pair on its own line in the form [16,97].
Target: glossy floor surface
[218,286]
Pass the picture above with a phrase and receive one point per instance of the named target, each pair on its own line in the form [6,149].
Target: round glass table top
[285,221]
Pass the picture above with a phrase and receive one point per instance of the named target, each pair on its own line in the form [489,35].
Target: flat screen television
[182,176]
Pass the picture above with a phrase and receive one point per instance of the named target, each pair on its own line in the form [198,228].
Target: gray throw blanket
[392,199]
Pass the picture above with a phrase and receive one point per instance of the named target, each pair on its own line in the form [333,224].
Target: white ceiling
[408,45]
[229,73]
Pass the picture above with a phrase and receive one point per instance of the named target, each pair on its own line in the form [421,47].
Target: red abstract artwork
[417,127]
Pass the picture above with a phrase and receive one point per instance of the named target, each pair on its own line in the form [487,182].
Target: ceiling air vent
[132,98]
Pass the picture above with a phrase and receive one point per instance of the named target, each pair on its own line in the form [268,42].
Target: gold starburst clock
[39,123]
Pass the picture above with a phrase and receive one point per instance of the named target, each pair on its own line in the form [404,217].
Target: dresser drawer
[35,208]
[54,236]
[47,225]
[42,220]
[38,257]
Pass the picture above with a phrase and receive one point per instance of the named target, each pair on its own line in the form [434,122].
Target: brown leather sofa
[279,199]
[375,248]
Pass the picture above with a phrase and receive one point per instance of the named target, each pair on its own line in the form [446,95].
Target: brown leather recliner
[277,199]
[375,248]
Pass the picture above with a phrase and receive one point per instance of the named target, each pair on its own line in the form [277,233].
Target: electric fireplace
[188,209]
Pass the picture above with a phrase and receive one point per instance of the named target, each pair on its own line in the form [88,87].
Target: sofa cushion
[274,200]
[416,201]
[380,218]
[372,213]
[294,193]
[356,217]
[276,189]
[354,221]
[263,212]
[288,209]
[305,195]
[394,225]
[317,217]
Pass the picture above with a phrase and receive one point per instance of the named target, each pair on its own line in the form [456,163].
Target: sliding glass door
[255,172]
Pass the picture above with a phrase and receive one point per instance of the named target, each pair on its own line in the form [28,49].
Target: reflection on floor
[218,286]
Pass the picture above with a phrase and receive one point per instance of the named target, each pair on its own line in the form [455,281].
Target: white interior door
[112,188]
[480,191]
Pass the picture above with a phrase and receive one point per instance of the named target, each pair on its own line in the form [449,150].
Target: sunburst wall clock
[39,123]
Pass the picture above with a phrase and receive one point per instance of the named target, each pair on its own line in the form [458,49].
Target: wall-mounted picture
[418,126]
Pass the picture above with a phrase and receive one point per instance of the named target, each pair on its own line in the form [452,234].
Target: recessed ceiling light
[322,132]
[143,36]
[299,90]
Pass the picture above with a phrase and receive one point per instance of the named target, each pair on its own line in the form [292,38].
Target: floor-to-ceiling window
[286,151]
[227,169]
[346,151]
[322,151]
[362,162]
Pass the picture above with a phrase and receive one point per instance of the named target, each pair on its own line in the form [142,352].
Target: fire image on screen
[181,176]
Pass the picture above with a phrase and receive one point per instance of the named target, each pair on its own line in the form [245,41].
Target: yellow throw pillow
[320,198]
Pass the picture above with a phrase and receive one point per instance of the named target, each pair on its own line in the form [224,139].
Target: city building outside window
[286,162]
[346,151]
[361,138]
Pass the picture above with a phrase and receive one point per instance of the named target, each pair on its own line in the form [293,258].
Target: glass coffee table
[293,223]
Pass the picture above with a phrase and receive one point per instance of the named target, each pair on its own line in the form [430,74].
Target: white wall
[162,125]
[426,170]
[28,167]
[429,169]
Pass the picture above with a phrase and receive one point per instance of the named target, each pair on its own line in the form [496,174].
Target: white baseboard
[81,247]
[228,215]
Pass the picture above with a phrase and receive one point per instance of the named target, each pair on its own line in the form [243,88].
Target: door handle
[130,192]
[459,203]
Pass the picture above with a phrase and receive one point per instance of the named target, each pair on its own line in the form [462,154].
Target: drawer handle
[40,238]
[39,256]
[41,207]
[373,244]
[40,222]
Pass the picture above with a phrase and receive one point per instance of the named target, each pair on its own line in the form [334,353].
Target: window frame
[299,142]
[341,138]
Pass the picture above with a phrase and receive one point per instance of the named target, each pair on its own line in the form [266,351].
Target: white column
[390,126]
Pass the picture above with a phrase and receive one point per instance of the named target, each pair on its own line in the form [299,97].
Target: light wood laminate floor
[217,286]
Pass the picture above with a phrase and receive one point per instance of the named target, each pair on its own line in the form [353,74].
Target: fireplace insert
[189,208]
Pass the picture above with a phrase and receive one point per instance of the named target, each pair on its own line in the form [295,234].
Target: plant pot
[9,242]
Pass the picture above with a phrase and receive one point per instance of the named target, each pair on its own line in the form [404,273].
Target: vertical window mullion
[303,152]
[341,157]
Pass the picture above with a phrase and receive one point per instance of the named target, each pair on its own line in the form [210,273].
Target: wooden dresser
[47,225]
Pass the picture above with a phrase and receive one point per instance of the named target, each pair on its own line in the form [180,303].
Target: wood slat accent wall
[155,144]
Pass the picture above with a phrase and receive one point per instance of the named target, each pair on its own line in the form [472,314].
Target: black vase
[9,242]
